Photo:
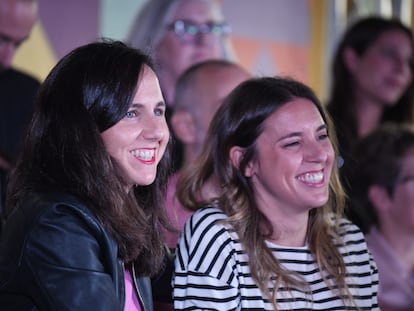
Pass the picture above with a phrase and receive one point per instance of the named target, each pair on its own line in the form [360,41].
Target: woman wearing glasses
[180,33]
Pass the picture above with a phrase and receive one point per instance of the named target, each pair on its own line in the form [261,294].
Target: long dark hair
[87,92]
[239,122]
[359,37]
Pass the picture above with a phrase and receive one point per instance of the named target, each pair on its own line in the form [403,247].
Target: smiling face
[294,159]
[138,141]
[382,72]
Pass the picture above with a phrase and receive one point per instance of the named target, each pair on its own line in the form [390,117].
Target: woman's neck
[289,229]
[368,115]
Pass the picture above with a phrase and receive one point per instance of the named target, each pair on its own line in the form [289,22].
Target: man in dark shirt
[17,89]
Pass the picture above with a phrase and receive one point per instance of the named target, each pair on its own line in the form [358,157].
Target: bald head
[210,81]
[17,18]
[202,89]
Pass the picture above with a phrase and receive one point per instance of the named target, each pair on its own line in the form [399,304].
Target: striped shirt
[212,271]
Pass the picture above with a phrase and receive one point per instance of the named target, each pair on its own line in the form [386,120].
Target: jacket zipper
[137,289]
[123,284]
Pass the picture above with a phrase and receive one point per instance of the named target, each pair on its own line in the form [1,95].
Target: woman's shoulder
[207,218]
[351,235]
[208,214]
[52,225]
[348,228]
[207,223]
[44,200]
[206,235]
[40,207]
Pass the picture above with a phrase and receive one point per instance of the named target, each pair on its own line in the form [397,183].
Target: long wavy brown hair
[239,122]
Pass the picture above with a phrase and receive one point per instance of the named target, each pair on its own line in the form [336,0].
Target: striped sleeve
[362,272]
[204,265]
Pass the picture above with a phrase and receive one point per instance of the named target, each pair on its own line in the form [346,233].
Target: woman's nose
[315,152]
[155,128]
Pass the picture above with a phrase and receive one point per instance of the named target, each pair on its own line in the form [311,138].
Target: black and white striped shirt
[212,271]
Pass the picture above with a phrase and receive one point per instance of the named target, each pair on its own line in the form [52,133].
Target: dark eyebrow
[295,134]
[161,104]
[290,135]
[138,105]
[322,127]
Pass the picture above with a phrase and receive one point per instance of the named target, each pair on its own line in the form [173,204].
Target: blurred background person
[372,80]
[17,89]
[383,198]
[178,34]
[200,91]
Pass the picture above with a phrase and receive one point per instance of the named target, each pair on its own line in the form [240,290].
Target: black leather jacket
[55,255]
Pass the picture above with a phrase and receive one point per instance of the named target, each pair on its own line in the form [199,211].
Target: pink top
[176,213]
[396,284]
[131,299]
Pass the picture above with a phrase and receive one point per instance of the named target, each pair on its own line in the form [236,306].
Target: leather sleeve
[67,254]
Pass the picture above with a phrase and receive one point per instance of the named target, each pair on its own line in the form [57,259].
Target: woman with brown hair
[268,232]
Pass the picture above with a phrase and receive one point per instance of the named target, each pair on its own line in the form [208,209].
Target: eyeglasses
[188,29]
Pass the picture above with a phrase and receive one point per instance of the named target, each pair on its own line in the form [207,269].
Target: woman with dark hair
[85,201]
[372,80]
[268,231]
[383,198]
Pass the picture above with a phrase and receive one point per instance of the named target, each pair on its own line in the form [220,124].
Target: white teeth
[311,177]
[145,155]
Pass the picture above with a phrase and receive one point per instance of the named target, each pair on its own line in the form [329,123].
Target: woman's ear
[236,156]
[351,59]
[183,126]
[379,198]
